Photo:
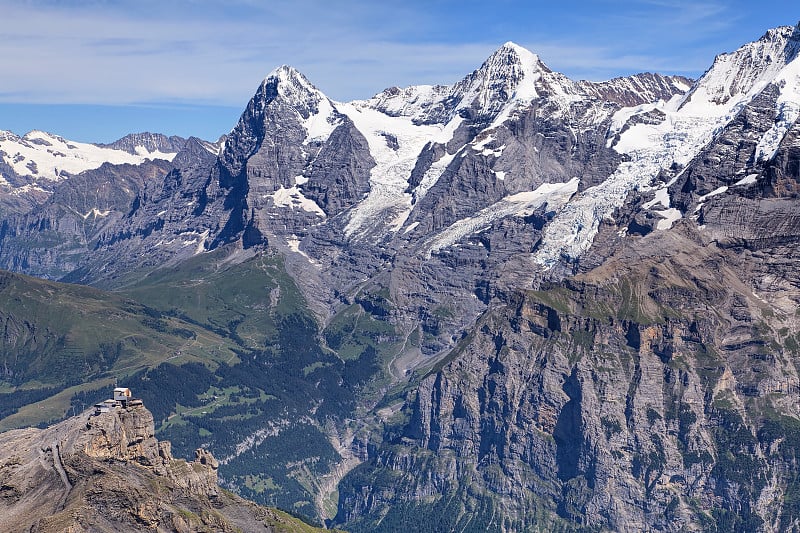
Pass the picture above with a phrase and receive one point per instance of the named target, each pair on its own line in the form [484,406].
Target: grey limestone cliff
[646,394]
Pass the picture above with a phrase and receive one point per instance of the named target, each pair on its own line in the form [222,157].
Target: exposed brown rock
[108,473]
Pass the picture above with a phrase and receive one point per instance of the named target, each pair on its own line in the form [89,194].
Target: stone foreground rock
[108,472]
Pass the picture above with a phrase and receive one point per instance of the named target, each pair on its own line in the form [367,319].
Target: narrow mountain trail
[59,466]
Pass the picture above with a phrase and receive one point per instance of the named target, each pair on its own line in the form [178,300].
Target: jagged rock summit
[106,472]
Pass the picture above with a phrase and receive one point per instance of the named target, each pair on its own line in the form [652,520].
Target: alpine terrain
[105,472]
[515,303]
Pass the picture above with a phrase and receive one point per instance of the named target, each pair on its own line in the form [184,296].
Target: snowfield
[50,157]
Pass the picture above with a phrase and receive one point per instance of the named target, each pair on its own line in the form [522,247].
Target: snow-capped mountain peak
[38,157]
[417,115]
[292,85]
[512,63]
[510,74]
[514,48]
[290,88]
[285,72]
[316,111]
[284,93]
[737,75]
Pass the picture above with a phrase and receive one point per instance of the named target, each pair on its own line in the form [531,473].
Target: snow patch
[715,192]
[621,117]
[25,189]
[212,148]
[671,216]
[201,243]
[95,213]
[770,142]
[293,198]
[189,238]
[293,242]
[662,197]
[50,157]
[520,204]
[481,147]
[683,87]
[144,153]
[496,152]
[319,126]
[411,227]
[747,180]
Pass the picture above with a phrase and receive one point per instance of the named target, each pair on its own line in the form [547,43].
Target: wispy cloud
[210,51]
[59,52]
[669,21]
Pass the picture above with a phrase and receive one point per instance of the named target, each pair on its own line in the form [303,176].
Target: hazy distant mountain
[33,165]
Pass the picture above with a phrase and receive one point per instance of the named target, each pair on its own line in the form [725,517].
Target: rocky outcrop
[730,158]
[108,472]
[638,89]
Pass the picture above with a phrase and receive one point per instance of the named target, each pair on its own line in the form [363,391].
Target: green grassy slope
[241,300]
[225,353]
[58,339]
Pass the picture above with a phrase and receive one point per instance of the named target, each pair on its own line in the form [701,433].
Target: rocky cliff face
[107,472]
[54,238]
[657,388]
[654,392]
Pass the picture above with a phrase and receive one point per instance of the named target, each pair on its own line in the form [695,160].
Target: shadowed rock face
[108,473]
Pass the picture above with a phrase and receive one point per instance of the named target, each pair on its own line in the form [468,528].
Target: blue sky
[93,70]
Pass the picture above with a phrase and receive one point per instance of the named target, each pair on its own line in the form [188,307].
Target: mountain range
[518,302]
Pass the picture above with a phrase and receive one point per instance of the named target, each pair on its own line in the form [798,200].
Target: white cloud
[207,51]
[50,53]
